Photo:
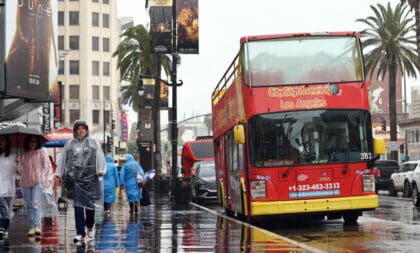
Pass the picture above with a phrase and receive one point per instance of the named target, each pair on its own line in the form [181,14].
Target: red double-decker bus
[292,128]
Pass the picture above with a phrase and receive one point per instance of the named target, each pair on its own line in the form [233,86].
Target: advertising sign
[187,26]
[161,23]
[149,90]
[30,48]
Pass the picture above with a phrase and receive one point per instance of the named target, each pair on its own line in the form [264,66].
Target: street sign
[392,145]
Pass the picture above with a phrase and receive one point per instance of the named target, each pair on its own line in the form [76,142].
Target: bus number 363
[365,156]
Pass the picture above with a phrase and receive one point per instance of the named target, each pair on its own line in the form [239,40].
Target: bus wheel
[350,218]
[415,196]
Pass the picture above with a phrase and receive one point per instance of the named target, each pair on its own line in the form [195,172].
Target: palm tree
[135,58]
[391,47]
[415,4]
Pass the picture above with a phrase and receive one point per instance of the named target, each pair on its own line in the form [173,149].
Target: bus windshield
[302,60]
[310,137]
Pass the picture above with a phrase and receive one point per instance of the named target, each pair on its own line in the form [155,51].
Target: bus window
[309,137]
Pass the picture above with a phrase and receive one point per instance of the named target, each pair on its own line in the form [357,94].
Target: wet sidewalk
[160,227]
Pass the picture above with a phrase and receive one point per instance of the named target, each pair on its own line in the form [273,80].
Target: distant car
[415,181]
[203,183]
[383,171]
[404,180]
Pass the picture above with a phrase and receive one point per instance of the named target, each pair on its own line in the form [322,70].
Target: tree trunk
[417,17]
[392,105]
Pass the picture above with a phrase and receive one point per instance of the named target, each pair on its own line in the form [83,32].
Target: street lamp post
[173,111]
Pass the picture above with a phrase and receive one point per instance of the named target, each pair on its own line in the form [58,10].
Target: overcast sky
[223,22]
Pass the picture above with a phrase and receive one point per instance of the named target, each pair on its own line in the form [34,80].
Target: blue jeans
[33,199]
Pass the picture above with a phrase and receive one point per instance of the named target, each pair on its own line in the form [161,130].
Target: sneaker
[78,238]
[6,234]
[31,232]
[38,231]
[91,233]
[2,234]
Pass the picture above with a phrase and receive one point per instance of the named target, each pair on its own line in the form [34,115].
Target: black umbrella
[17,134]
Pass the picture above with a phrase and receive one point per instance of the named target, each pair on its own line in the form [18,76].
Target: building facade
[88,34]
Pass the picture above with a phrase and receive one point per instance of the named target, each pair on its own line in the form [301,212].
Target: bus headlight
[258,189]
[368,183]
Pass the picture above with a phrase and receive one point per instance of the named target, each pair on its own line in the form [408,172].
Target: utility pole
[173,111]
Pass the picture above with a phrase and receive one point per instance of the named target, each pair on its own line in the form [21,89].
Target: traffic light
[383,124]
[109,144]
[401,148]
[113,124]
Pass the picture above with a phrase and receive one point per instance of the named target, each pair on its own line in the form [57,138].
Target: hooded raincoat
[82,159]
[128,178]
[111,180]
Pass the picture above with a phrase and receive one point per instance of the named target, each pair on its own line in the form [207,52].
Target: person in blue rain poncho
[128,179]
[81,168]
[111,182]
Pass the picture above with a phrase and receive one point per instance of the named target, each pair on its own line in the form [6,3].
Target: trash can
[183,194]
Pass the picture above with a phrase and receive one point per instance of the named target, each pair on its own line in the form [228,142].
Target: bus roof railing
[224,81]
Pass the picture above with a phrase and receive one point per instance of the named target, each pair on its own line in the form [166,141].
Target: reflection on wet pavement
[160,227]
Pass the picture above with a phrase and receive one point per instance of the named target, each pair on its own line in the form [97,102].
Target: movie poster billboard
[149,90]
[187,26]
[160,23]
[30,48]
[2,27]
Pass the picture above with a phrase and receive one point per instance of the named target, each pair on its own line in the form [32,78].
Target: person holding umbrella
[7,184]
[36,173]
[81,167]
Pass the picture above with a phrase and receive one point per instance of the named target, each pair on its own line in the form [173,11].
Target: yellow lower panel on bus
[314,205]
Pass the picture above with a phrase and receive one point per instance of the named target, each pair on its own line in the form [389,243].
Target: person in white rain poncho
[7,184]
[81,167]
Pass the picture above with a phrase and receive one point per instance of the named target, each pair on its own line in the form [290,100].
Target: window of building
[61,65]
[74,42]
[74,67]
[74,115]
[60,42]
[105,1]
[95,1]
[105,20]
[107,93]
[73,91]
[74,18]
[106,68]
[60,18]
[95,19]
[95,92]
[105,44]
[95,43]
[74,0]
[95,116]
[95,68]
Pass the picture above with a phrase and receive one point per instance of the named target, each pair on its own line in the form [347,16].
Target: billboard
[187,26]
[30,48]
[2,27]
[149,90]
[161,23]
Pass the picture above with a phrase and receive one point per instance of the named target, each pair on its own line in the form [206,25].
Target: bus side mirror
[239,134]
[379,146]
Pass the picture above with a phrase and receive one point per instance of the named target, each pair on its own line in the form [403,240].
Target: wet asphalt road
[393,227]
[160,227]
